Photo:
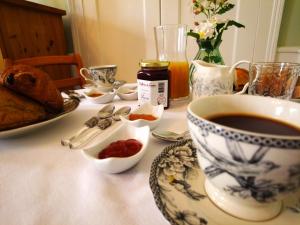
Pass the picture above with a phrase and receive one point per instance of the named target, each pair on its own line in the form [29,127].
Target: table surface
[42,182]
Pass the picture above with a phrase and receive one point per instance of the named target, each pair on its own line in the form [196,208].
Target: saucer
[177,183]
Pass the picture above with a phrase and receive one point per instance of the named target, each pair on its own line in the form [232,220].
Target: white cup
[103,76]
[247,173]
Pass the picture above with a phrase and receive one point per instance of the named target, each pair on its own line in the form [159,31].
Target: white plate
[69,106]
[180,194]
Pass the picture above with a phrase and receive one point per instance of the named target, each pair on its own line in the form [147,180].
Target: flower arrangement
[208,33]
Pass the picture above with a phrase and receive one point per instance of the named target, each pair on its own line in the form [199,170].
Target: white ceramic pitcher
[213,79]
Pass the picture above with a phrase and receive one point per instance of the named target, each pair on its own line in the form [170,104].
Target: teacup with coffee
[249,149]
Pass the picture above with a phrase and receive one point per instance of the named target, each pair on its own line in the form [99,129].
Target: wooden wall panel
[29,29]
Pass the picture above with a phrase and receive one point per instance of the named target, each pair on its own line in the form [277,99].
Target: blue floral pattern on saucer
[177,183]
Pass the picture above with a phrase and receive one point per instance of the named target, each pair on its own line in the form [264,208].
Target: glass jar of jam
[153,82]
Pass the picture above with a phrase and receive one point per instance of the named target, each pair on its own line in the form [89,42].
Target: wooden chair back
[70,82]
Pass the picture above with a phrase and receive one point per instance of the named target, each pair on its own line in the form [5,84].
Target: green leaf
[193,34]
[225,8]
[206,59]
[234,23]
[224,26]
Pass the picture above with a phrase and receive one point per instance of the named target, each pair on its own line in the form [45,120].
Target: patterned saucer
[177,184]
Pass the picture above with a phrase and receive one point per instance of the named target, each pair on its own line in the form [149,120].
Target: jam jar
[153,82]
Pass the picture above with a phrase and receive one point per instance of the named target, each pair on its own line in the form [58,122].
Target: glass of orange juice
[171,46]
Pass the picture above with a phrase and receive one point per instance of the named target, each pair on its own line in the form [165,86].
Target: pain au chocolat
[17,110]
[33,83]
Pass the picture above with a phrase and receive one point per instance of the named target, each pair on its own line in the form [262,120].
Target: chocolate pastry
[34,83]
[17,110]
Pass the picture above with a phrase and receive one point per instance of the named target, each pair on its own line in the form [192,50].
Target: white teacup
[247,173]
[102,76]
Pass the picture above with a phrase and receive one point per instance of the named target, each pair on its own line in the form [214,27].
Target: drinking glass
[274,79]
[171,46]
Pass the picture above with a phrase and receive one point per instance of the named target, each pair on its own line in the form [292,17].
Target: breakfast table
[43,182]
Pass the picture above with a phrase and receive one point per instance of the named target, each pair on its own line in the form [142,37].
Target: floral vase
[206,53]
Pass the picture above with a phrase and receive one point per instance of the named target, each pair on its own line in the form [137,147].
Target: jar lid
[154,63]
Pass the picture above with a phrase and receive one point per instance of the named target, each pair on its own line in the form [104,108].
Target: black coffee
[255,124]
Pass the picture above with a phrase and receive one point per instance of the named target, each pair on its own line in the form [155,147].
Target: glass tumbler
[274,79]
[171,46]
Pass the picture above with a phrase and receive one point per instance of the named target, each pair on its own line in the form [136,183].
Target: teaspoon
[101,125]
[121,112]
[106,111]
[169,135]
[103,113]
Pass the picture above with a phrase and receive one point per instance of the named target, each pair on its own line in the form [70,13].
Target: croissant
[34,83]
[17,110]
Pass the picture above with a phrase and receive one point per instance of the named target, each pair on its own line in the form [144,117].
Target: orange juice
[179,79]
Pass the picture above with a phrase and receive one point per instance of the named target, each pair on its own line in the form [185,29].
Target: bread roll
[241,78]
[17,111]
[34,83]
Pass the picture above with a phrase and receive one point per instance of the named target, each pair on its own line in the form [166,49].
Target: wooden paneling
[29,29]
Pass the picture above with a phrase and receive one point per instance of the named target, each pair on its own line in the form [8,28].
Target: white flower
[205,29]
[215,20]
[206,4]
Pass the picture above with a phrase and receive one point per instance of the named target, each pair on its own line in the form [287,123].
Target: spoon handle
[102,125]
[87,125]
[84,139]
[67,141]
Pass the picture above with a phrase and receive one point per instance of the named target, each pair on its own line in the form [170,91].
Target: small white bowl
[128,92]
[98,87]
[105,97]
[146,108]
[116,164]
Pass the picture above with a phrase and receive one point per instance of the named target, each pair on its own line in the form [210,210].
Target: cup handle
[231,71]
[243,90]
[84,70]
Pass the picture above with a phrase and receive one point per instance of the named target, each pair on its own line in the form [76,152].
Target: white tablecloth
[42,182]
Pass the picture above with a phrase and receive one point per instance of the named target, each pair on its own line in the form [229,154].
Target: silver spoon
[106,111]
[103,113]
[102,125]
[118,83]
[169,135]
[121,112]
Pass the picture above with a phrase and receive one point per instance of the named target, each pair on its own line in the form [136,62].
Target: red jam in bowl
[121,148]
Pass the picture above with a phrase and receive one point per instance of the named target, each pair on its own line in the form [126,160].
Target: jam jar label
[155,92]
